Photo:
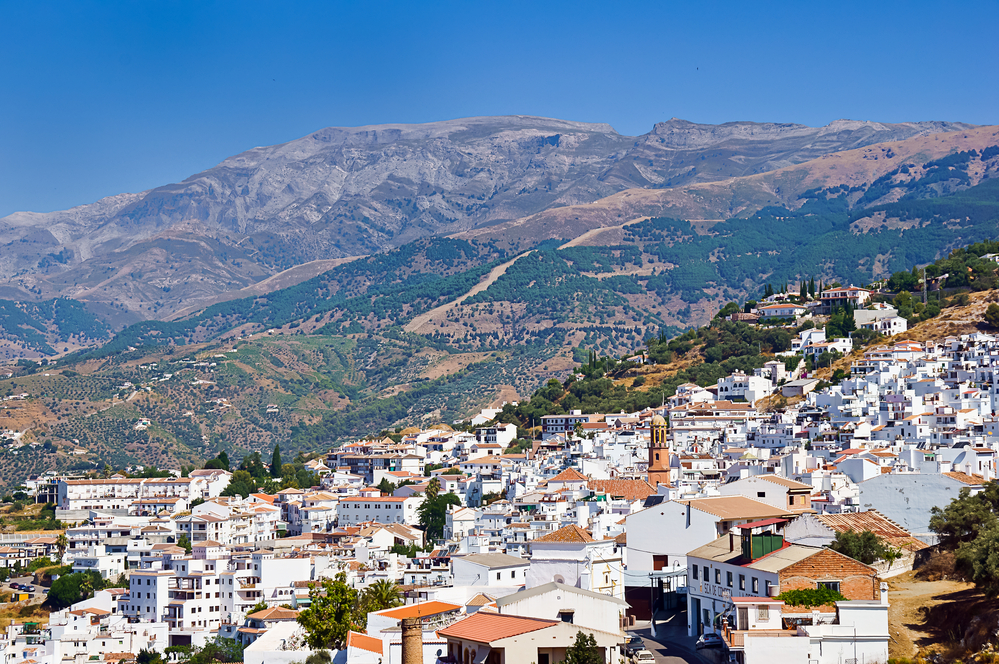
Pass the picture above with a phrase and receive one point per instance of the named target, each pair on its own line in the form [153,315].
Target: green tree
[865,547]
[148,657]
[382,594]
[319,657]
[386,487]
[219,649]
[583,650]
[71,588]
[276,462]
[184,542]
[433,488]
[331,613]
[992,315]
[433,512]
[964,517]
[979,559]
[240,484]
[259,606]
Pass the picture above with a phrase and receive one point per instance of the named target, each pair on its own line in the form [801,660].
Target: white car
[643,657]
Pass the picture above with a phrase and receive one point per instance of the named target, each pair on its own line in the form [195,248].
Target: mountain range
[345,192]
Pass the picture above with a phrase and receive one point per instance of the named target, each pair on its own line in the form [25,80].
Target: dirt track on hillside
[907,596]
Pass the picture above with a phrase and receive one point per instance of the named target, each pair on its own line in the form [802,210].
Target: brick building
[760,563]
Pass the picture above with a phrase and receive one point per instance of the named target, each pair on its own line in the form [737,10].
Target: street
[673,645]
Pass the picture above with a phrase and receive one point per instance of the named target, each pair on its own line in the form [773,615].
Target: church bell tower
[659,472]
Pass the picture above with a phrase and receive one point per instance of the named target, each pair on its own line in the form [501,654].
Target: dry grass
[23,612]
[912,633]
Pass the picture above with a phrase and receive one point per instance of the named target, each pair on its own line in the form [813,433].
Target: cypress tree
[276,461]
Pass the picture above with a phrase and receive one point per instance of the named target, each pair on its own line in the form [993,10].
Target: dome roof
[658,421]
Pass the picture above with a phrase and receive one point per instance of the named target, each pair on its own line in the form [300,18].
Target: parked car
[30,589]
[709,640]
[633,645]
[15,586]
[643,656]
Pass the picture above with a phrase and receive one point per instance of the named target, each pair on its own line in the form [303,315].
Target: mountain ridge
[339,192]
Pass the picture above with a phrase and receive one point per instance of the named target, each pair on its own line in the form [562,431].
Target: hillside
[356,191]
[739,197]
[307,388]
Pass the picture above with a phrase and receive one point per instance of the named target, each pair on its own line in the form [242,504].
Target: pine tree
[276,462]
[811,286]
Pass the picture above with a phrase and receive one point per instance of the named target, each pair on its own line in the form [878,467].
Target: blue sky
[98,98]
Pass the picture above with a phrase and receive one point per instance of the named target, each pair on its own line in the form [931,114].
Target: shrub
[809,597]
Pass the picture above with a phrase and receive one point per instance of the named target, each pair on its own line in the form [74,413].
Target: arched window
[657,456]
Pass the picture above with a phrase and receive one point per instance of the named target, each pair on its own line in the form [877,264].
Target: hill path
[494,274]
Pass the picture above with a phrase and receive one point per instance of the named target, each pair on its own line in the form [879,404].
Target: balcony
[736,638]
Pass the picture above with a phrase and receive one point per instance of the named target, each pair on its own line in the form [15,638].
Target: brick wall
[856,580]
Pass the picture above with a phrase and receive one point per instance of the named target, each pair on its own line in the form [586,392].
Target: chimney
[412,641]
[731,542]
[884,593]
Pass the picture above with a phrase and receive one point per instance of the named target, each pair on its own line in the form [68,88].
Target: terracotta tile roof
[569,475]
[479,600]
[627,489]
[421,610]
[965,478]
[364,642]
[877,523]
[571,534]
[734,507]
[489,627]
[622,539]
[783,481]
[274,613]
[495,560]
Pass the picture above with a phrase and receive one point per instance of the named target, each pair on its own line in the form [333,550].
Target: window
[763,612]
[695,572]
[706,577]
[756,586]
[761,494]
[766,588]
[728,578]
[790,500]
[718,576]
[660,562]
[742,582]
[513,574]
[831,585]
[497,576]
[565,616]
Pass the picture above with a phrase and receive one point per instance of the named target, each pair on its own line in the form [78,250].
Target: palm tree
[382,594]
[62,544]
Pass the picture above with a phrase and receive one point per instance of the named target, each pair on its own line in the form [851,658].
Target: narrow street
[672,646]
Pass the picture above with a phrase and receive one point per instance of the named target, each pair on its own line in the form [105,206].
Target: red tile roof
[488,627]
[569,475]
[571,533]
[421,610]
[965,478]
[627,489]
[364,642]
[875,522]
